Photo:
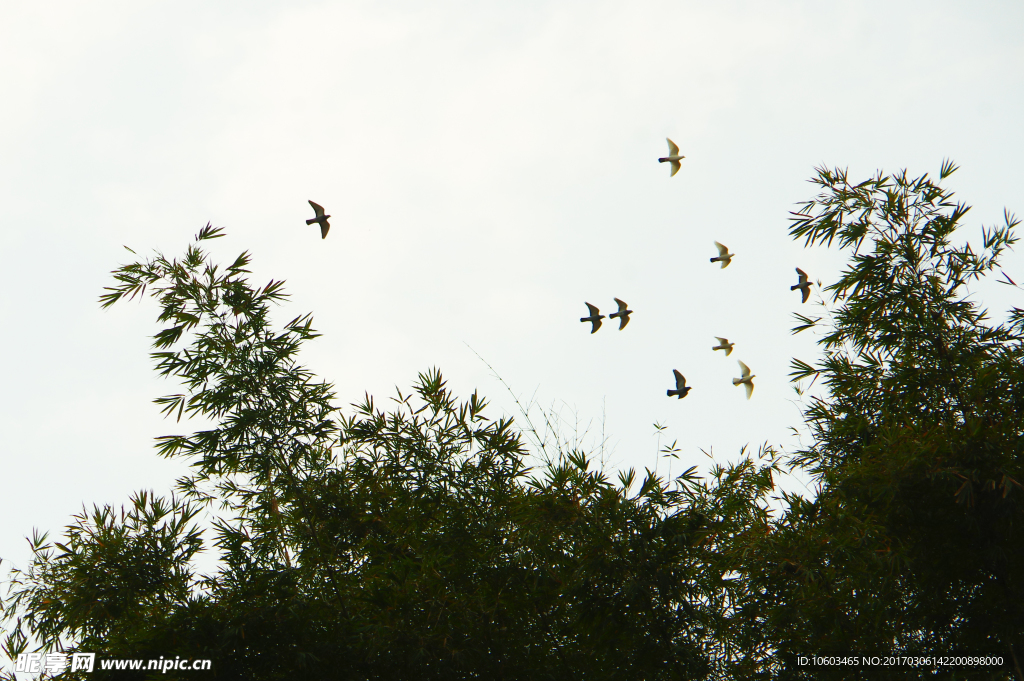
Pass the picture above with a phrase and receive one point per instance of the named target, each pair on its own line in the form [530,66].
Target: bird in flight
[745,378]
[622,314]
[724,344]
[321,218]
[804,285]
[673,157]
[724,256]
[681,387]
[594,318]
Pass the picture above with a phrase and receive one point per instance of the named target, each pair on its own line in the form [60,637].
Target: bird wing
[675,168]
[722,250]
[722,341]
[594,312]
[318,208]
[680,380]
[324,228]
[622,306]
[806,290]
[803,275]
[673,150]
[744,368]
[750,388]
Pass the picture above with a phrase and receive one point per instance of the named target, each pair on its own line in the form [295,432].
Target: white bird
[673,157]
[321,218]
[745,379]
[724,344]
[804,285]
[594,318]
[724,256]
[681,388]
[622,314]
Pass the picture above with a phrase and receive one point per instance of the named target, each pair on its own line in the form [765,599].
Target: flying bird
[622,314]
[673,157]
[321,218]
[745,379]
[724,256]
[681,387]
[594,318]
[724,344]
[804,285]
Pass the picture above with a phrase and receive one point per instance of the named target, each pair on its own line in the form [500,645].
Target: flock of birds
[724,257]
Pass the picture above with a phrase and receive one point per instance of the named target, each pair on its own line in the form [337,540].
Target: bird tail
[670,393]
[663,160]
[737,381]
[309,222]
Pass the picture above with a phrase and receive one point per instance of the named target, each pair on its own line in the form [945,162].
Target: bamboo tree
[912,544]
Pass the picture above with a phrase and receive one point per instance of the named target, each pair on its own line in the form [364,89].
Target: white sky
[489,167]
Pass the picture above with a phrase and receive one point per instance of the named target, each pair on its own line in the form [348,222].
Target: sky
[489,168]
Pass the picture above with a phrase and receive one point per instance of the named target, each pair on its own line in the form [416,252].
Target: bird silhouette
[622,314]
[594,318]
[681,388]
[724,256]
[745,379]
[673,157]
[724,344]
[320,218]
[804,285]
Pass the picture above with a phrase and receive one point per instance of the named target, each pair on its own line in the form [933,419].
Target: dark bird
[681,387]
[673,156]
[724,256]
[321,218]
[622,314]
[804,285]
[594,318]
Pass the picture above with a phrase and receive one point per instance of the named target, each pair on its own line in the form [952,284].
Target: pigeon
[724,256]
[594,318]
[804,285]
[745,379]
[321,218]
[724,344]
[673,157]
[622,314]
[681,387]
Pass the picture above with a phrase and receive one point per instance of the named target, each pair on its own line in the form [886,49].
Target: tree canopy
[415,541]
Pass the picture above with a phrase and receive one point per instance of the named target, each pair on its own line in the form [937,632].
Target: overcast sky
[490,167]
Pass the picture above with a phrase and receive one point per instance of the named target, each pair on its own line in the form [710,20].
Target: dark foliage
[401,544]
[416,543]
[912,545]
